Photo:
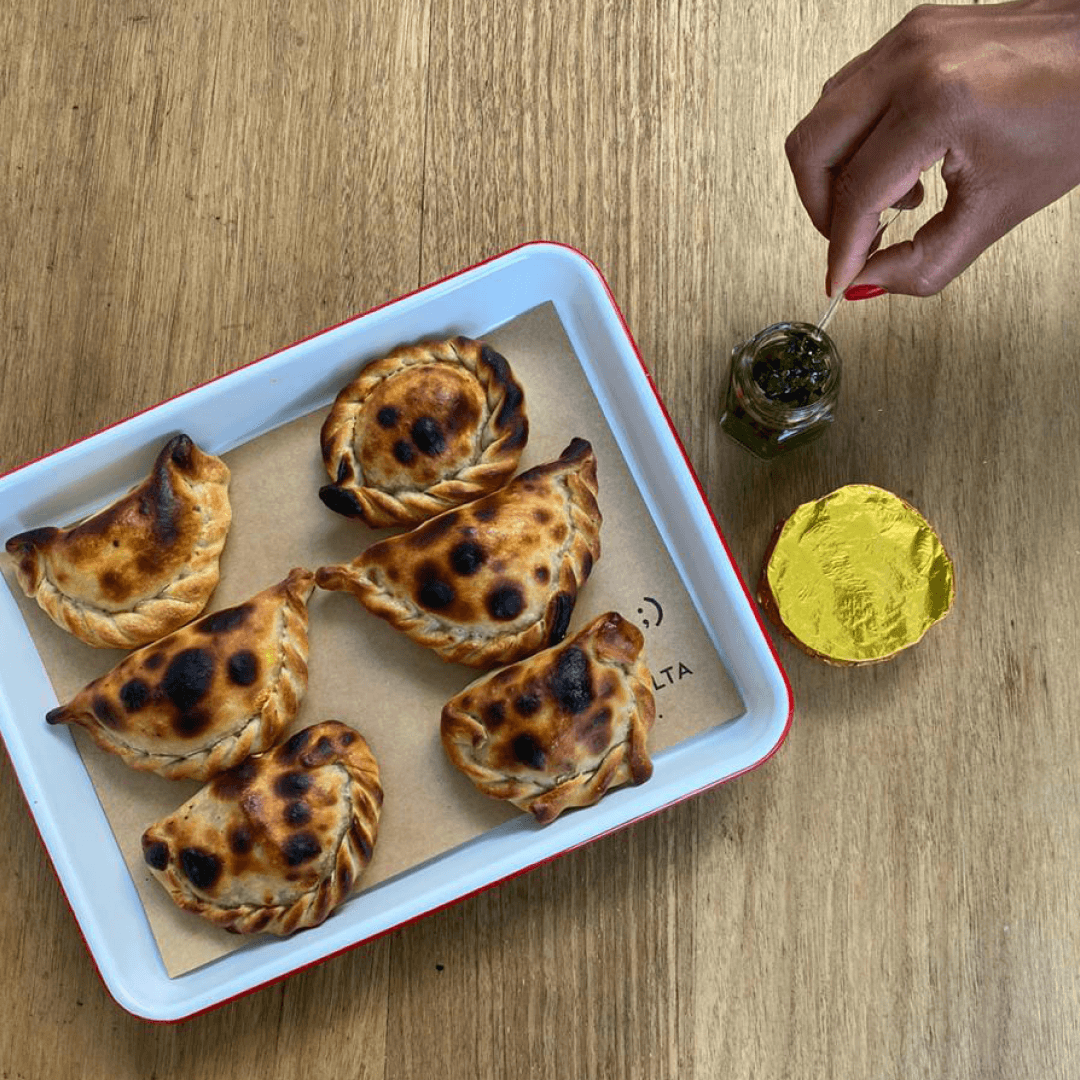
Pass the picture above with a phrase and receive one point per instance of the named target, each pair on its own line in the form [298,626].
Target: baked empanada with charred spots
[277,843]
[201,699]
[561,728]
[422,430]
[141,567]
[494,580]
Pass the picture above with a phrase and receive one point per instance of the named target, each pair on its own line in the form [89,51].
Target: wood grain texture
[187,187]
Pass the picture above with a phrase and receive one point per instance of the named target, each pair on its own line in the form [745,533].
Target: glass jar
[782,388]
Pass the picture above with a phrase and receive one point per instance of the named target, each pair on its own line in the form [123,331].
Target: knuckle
[928,280]
[795,145]
[849,193]
[919,24]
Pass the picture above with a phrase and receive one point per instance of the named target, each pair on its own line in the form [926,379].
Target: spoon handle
[890,216]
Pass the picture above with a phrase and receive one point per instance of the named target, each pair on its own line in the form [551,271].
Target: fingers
[912,198]
[884,172]
[829,136]
[910,201]
[941,250]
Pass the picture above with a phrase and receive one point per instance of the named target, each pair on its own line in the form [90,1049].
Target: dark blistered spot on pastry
[224,620]
[191,723]
[505,603]
[243,668]
[147,562]
[166,509]
[432,591]
[154,661]
[300,848]
[345,879]
[528,751]
[27,542]
[134,694]
[560,532]
[596,732]
[586,566]
[344,471]
[542,574]
[542,516]
[291,748]
[297,813]
[105,712]
[322,752]
[202,868]
[497,362]
[577,448]
[292,785]
[512,393]
[433,530]
[240,842]
[155,853]
[428,436]
[232,784]
[403,452]
[527,704]
[387,416]
[347,738]
[494,715]
[463,414]
[112,585]
[598,740]
[607,688]
[571,681]
[467,557]
[485,513]
[188,677]
[562,607]
[179,449]
[520,435]
[340,500]
[360,839]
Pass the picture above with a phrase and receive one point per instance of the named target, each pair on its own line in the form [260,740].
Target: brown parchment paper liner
[368,675]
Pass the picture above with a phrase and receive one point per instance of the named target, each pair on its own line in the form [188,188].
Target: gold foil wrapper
[856,576]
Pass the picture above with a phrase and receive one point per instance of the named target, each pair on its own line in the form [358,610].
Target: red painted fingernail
[864,292]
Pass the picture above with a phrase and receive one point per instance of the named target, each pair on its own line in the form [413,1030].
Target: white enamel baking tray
[258,398]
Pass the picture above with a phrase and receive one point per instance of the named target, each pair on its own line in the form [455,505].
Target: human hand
[993,92]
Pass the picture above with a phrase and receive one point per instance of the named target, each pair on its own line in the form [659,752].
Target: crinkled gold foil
[859,575]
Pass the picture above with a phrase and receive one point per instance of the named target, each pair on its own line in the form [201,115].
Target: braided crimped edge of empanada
[450,640]
[275,710]
[626,761]
[355,849]
[503,435]
[150,619]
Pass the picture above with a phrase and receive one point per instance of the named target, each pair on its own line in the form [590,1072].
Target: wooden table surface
[186,187]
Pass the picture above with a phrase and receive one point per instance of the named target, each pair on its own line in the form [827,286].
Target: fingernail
[864,292]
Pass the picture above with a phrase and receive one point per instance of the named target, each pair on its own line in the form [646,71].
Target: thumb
[940,251]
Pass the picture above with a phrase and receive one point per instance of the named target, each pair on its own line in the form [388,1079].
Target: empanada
[560,728]
[422,430]
[494,580]
[277,843]
[200,700]
[141,567]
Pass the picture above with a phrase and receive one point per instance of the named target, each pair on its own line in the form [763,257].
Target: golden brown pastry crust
[560,728]
[494,580]
[200,700]
[427,428]
[277,843]
[141,567]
